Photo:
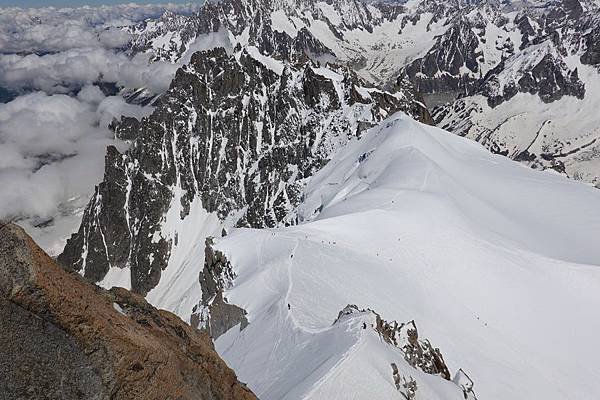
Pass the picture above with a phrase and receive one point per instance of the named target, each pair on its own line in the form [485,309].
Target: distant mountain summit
[494,68]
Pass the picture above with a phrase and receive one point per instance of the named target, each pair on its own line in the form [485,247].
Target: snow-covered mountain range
[289,194]
[525,73]
[237,135]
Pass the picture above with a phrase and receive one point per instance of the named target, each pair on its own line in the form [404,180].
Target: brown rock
[64,338]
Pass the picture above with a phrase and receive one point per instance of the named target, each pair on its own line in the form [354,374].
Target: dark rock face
[232,133]
[550,82]
[549,78]
[562,11]
[127,128]
[214,313]
[527,32]
[591,55]
[30,348]
[441,70]
[64,338]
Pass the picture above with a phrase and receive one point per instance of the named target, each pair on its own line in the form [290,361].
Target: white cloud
[61,50]
[74,68]
[114,38]
[53,140]
[114,107]
[52,154]
[49,29]
[91,94]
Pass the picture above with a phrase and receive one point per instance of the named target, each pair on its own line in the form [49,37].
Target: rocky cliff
[64,338]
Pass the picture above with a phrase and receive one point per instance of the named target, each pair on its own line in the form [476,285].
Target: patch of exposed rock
[214,314]
[64,338]
[419,353]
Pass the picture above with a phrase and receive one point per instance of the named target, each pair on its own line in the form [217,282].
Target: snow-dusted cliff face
[507,62]
[236,136]
[535,101]
[497,264]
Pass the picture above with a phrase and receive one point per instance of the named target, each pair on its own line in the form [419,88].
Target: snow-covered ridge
[488,257]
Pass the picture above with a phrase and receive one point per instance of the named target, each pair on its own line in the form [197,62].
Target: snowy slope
[497,264]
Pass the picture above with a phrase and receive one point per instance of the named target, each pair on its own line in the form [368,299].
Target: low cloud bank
[53,135]
[71,69]
[50,29]
[52,149]
[61,50]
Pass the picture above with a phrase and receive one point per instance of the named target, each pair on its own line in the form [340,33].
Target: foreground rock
[63,338]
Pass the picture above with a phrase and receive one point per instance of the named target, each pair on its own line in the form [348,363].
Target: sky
[75,3]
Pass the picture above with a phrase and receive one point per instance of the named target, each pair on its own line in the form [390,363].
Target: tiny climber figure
[289,307]
[364,325]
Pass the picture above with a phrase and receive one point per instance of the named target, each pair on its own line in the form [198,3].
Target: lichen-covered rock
[64,338]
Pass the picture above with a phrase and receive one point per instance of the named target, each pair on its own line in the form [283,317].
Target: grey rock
[38,360]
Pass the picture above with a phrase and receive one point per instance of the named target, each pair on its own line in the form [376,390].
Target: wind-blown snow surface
[498,265]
